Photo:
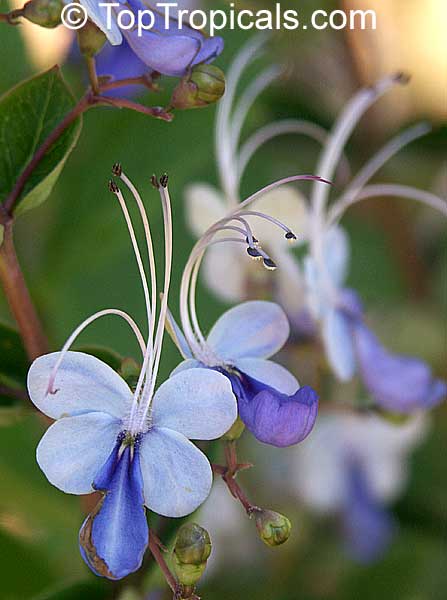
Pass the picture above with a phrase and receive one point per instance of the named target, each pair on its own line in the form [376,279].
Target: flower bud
[90,39]
[274,528]
[204,85]
[46,13]
[191,551]
[235,431]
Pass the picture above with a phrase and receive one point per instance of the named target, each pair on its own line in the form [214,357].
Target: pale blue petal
[99,17]
[338,342]
[270,373]
[336,249]
[83,383]
[199,403]
[189,363]
[177,336]
[254,329]
[73,450]
[177,476]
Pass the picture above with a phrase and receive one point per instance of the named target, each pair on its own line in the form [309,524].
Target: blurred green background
[77,259]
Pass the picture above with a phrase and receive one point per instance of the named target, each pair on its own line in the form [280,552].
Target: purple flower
[271,403]
[397,383]
[171,51]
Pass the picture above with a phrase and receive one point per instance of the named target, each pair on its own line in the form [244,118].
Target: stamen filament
[80,329]
[380,159]
[390,190]
[149,244]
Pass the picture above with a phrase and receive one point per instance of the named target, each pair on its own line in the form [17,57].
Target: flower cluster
[132,442]
[313,293]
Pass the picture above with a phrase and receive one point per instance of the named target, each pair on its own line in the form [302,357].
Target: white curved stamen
[223,142]
[149,245]
[152,376]
[256,87]
[285,127]
[378,161]
[343,129]
[80,328]
[387,190]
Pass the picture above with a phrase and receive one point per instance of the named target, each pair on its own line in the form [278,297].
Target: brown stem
[228,474]
[155,546]
[19,298]
[6,390]
[153,111]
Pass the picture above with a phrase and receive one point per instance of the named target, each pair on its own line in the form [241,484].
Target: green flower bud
[46,13]
[191,551]
[235,431]
[274,528]
[204,85]
[90,39]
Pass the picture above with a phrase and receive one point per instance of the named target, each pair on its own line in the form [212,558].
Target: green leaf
[14,361]
[28,114]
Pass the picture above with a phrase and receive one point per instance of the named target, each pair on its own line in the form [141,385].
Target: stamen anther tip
[154,182]
[269,264]
[164,180]
[113,187]
[117,169]
[402,77]
[290,236]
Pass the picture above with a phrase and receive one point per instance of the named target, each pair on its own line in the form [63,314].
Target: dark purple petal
[274,418]
[367,526]
[115,535]
[397,383]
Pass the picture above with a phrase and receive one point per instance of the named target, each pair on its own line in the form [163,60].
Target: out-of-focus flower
[397,383]
[171,51]
[132,445]
[354,466]
[314,297]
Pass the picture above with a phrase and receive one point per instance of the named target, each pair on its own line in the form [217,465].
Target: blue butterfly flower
[131,445]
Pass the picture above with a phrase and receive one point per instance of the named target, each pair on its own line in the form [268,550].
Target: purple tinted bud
[397,383]
[274,418]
